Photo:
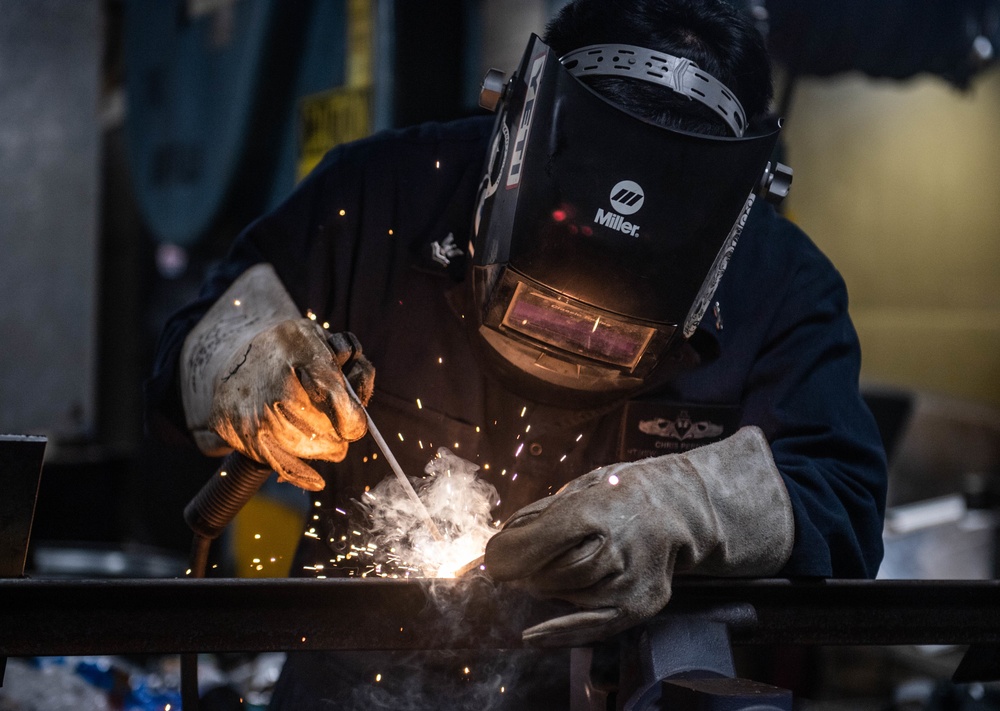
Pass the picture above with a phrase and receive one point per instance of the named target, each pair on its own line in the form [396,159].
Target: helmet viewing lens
[576,328]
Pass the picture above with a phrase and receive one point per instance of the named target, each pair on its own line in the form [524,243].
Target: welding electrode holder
[239,477]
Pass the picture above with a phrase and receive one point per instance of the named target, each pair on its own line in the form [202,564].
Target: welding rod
[396,469]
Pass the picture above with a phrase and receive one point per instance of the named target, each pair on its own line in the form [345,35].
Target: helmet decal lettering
[524,124]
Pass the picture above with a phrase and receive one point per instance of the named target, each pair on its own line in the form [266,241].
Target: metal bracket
[20,473]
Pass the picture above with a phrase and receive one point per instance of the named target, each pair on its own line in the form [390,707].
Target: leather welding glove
[258,378]
[611,541]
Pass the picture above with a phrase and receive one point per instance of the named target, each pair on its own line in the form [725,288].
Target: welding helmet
[599,237]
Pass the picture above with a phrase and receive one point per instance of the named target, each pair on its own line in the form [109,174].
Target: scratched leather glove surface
[611,540]
[259,379]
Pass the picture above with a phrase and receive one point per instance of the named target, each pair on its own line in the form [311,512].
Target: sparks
[437,164]
[256,536]
[400,435]
[524,410]
[317,504]
[519,448]
[342,213]
[378,677]
[390,231]
[596,324]
[613,480]
[440,360]
[562,458]
[222,473]
[236,302]
[420,405]
[579,437]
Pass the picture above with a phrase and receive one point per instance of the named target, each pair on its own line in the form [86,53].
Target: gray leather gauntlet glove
[610,541]
[258,378]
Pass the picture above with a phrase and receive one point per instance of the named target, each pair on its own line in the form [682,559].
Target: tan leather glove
[258,378]
[610,541]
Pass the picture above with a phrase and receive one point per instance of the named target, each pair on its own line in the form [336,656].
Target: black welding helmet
[599,236]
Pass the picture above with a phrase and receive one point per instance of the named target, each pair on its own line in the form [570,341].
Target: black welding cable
[189,662]
[208,513]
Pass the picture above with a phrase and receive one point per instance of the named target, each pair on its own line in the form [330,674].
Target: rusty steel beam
[81,617]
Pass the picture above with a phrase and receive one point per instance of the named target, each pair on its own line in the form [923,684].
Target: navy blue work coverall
[361,244]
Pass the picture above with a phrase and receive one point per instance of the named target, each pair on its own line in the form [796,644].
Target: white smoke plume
[457,501]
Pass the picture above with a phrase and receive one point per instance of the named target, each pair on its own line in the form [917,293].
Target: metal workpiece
[857,612]
[80,617]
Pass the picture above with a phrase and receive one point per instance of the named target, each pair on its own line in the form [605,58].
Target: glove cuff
[256,301]
[753,512]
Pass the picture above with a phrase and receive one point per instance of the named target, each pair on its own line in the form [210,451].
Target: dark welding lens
[576,329]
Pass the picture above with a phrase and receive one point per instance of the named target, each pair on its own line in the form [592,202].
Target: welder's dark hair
[714,34]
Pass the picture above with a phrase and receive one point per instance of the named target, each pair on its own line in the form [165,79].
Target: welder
[588,296]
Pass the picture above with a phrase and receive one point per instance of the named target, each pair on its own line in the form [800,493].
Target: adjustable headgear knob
[492,90]
[775,183]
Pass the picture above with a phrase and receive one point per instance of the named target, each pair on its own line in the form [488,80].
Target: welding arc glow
[455,497]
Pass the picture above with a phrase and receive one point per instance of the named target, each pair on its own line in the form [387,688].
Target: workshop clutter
[124,684]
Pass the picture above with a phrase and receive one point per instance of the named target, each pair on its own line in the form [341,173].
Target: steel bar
[134,616]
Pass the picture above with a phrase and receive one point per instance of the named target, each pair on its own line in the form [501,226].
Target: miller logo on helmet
[626,197]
